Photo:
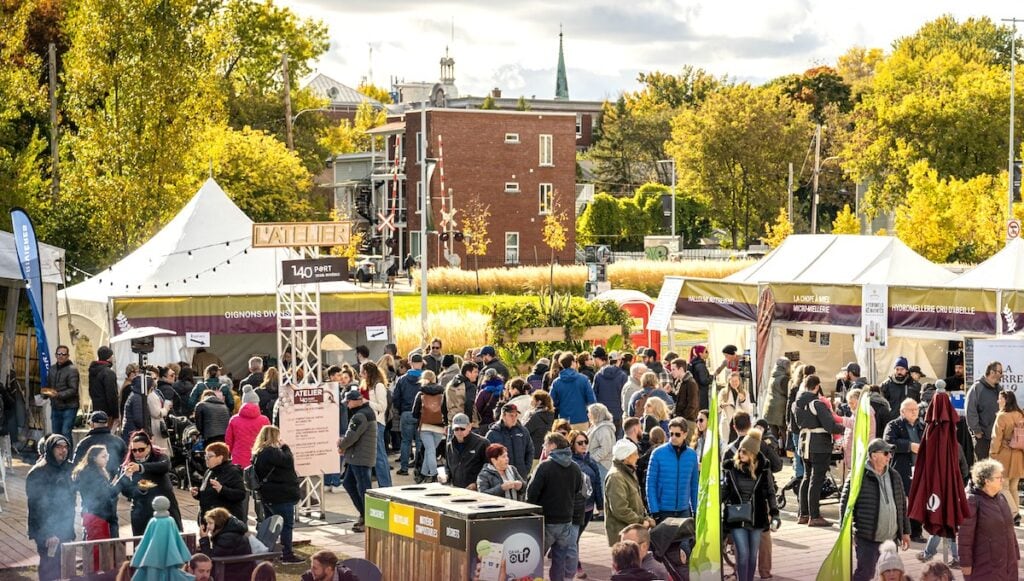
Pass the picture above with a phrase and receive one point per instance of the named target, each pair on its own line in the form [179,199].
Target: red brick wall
[478,163]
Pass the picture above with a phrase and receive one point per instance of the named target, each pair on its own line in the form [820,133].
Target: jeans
[287,511]
[357,482]
[63,422]
[561,539]
[408,424]
[933,547]
[810,487]
[430,442]
[747,542]
[798,461]
[867,557]
[602,473]
[382,467]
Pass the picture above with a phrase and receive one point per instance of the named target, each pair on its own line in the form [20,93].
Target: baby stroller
[667,539]
[829,489]
[187,465]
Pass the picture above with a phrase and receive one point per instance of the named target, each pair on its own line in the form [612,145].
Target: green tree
[349,137]
[600,222]
[521,104]
[488,103]
[733,151]
[846,222]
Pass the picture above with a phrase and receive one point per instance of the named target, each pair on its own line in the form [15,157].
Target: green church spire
[561,83]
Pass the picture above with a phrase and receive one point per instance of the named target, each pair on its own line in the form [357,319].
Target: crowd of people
[606,437]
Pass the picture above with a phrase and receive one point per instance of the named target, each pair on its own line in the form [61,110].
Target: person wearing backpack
[431,415]
[1008,446]
[905,433]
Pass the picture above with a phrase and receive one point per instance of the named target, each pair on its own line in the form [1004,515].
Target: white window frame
[512,138]
[513,256]
[579,125]
[545,198]
[419,196]
[547,150]
[415,248]
[511,187]
[419,147]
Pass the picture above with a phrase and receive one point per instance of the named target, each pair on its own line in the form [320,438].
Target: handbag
[741,512]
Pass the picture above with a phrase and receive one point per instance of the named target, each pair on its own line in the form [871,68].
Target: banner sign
[812,303]
[309,424]
[331,269]
[950,310]
[715,299]
[874,315]
[1012,313]
[27,249]
[1009,352]
[298,234]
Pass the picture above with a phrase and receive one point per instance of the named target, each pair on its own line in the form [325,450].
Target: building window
[546,150]
[546,198]
[419,196]
[414,245]
[419,146]
[511,187]
[579,125]
[511,138]
[511,247]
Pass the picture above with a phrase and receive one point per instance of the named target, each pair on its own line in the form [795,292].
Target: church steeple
[561,83]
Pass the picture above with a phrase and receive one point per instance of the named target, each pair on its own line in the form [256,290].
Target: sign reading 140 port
[314,270]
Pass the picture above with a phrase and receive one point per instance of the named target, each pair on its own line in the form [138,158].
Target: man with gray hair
[904,434]
[255,377]
[641,535]
[633,385]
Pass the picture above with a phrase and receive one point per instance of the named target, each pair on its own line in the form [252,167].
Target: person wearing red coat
[242,431]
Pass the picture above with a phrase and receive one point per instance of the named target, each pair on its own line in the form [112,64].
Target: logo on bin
[522,555]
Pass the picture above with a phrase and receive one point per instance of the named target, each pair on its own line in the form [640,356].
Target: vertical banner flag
[839,563]
[874,315]
[706,558]
[27,247]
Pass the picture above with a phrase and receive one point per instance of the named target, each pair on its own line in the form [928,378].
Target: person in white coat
[159,409]
[731,399]
[374,387]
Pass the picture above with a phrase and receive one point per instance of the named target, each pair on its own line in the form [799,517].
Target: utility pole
[287,102]
[789,191]
[1013,95]
[54,154]
[817,170]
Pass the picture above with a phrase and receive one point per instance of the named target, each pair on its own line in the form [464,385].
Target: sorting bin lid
[459,502]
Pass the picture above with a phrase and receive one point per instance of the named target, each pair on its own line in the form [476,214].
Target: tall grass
[459,330]
[642,275]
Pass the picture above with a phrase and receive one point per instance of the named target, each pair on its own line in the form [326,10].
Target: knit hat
[448,360]
[249,396]
[751,443]
[623,449]
[901,362]
[600,353]
[888,558]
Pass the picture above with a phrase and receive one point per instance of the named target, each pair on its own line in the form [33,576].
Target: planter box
[537,334]
[601,332]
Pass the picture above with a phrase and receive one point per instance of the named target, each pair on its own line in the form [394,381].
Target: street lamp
[671,164]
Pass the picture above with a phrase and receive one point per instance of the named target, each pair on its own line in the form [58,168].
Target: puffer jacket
[986,538]
[571,394]
[275,467]
[608,384]
[360,440]
[518,442]
[672,476]
[64,378]
[487,398]
[212,417]
[136,410]
[865,512]
[242,431]
[103,388]
[602,439]
[51,495]
[489,481]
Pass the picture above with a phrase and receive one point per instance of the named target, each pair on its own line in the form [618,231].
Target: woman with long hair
[579,443]
[145,476]
[701,437]
[274,465]
[655,414]
[268,392]
[748,481]
[1012,459]
[99,496]
[699,355]
[431,415]
[538,419]
[731,399]
[223,535]
[222,485]
[374,387]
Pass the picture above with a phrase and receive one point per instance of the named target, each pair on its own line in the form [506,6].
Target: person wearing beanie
[249,396]
[748,479]
[623,503]
[899,386]
[449,370]
[890,565]
[103,385]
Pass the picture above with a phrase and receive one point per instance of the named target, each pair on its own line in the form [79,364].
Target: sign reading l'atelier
[297,234]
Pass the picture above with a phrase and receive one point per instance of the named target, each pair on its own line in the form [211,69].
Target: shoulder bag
[741,512]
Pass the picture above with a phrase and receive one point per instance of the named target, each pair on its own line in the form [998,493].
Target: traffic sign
[1012,229]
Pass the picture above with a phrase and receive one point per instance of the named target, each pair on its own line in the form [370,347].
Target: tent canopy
[1002,270]
[844,260]
[50,262]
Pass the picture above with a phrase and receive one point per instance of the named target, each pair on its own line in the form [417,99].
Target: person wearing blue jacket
[402,400]
[608,382]
[672,476]
[571,393]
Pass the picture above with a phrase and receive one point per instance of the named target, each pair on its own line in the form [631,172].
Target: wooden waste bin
[432,532]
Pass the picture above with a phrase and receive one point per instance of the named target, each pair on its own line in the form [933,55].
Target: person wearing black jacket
[814,419]
[165,387]
[274,465]
[103,384]
[100,435]
[510,433]
[899,386]
[212,417]
[464,453]
[557,487]
[186,382]
[699,368]
[222,485]
[63,392]
[749,480]
[224,536]
[145,477]
[540,418]
[51,504]
[99,496]
[880,512]
[905,433]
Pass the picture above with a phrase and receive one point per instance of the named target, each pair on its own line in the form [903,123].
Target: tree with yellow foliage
[349,137]
[846,222]
[474,228]
[776,234]
[554,232]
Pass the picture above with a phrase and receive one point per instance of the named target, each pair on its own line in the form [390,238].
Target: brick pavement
[798,550]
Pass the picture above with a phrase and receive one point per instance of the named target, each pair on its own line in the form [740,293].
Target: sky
[513,45]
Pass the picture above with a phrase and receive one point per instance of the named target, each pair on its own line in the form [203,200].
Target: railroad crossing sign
[386,222]
[448,218]
[1012,229]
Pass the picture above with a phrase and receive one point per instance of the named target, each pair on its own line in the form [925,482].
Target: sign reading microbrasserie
[292,234]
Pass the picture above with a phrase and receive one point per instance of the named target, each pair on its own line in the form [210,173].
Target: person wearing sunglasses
[62,389]
[145,476]
[465,453]
[880,511]
[579,443]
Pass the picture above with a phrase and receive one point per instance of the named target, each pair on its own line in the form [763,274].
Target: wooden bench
[220,562]
[112,553]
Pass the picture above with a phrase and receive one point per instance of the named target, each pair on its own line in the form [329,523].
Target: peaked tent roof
[844,259]
[1002,270]
[189,257]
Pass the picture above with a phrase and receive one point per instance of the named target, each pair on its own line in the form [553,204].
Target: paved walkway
[798,550]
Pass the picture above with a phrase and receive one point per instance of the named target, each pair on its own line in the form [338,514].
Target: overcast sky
[514,45]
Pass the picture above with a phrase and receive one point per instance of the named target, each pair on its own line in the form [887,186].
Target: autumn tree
[475,228]
[818,87]
[776,234]
[554,233]
[857,68]
[846,222]
[374,92]
[733,151]
[349,137]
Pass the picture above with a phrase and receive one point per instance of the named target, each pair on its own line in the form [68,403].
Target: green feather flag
[706,557]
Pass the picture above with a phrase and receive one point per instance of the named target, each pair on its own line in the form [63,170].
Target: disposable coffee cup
[442,474]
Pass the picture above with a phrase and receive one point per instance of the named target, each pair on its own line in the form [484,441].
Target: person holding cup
[222,485]
[51,504]
[499,477]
